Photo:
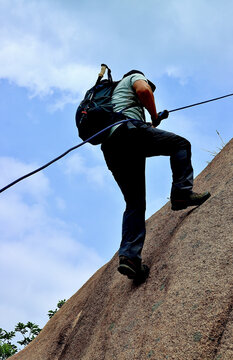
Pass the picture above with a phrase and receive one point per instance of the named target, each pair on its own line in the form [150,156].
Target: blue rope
[62,155]
[93,136]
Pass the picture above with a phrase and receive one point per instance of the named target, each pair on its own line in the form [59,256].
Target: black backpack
[95,111]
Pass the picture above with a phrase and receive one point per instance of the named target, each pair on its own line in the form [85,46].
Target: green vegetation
[28,332]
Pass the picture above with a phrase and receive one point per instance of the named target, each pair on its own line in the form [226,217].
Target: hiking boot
[192,199]
[133,269]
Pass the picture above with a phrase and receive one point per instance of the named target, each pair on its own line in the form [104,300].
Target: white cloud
[176,72]
[76,165]
[22,63]
[55,48]
[36,50]
[12,169]
[47,46]
[40,260]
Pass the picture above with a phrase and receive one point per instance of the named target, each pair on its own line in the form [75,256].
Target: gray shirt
[124,95]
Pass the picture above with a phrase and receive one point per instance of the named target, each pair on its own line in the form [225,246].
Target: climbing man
[125,152]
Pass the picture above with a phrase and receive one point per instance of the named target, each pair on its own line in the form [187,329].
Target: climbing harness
[91,138]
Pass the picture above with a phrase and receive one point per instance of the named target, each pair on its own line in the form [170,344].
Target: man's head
[131,72]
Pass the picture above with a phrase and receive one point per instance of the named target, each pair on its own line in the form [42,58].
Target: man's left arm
[146,97]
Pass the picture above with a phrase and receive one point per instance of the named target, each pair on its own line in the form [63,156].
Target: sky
[61,225]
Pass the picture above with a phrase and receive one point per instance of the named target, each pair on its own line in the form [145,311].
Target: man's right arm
[146,97]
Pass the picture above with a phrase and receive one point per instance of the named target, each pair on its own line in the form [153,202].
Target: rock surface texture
[182,312]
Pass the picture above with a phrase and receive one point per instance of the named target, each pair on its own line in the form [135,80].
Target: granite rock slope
[182,312]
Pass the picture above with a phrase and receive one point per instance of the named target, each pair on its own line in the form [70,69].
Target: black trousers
[125,153]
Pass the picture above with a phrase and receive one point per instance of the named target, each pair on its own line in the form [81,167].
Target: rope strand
[200,103]
[58,157]
[100,132]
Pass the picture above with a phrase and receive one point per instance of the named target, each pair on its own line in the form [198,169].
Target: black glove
[161,115]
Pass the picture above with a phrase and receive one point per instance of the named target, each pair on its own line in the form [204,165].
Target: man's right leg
[128,168]
[130,177]
[131,180]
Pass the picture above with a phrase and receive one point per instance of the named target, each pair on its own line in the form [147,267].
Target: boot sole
[127,270]
[139,277]
[181,205]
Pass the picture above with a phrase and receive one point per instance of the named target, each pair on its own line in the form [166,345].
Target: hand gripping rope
[101,74]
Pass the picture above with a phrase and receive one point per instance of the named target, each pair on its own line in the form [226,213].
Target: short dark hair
[131,72]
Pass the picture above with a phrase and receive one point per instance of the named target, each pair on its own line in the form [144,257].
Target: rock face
[182,312]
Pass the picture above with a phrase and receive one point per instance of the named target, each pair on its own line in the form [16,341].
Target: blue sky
[59,226]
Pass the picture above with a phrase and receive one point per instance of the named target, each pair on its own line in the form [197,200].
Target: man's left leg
[160,142]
